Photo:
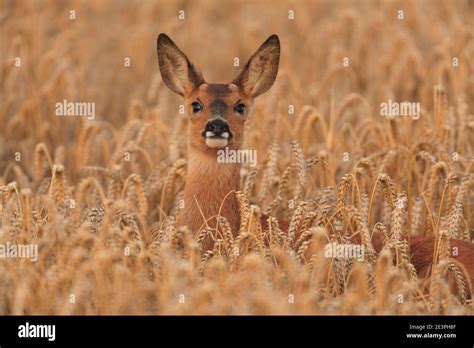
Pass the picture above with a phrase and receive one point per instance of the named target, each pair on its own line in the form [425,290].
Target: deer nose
[217,127]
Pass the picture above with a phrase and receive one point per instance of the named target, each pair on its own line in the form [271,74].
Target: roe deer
[217,116]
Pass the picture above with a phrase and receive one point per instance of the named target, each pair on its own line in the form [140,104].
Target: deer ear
[176,70]
[261,70]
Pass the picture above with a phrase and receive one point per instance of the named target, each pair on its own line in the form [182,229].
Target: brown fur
[422,249]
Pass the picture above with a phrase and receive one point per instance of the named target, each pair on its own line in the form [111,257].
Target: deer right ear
[176,70]
[261,70]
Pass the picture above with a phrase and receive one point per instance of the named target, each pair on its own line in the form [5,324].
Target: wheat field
[99,197]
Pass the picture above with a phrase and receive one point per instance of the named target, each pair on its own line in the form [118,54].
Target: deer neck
[208,190]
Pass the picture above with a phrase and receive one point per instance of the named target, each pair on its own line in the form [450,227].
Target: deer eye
[196,107]
[240,108]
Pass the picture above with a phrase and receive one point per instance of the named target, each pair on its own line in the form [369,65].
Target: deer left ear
[176,70]
[261,70]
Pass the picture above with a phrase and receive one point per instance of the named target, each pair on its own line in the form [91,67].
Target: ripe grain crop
[100,197]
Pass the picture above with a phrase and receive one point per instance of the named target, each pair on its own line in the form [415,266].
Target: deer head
[217,111]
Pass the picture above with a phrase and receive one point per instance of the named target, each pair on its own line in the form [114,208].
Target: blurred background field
[344,155]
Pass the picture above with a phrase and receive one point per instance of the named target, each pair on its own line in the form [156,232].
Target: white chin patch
[216,142]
